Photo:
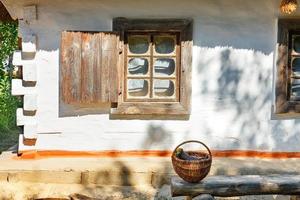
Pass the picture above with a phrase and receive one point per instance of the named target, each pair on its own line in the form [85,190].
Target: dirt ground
[42,191]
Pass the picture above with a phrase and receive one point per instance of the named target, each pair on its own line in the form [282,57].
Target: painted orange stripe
[57,153]
[257,154]
[151,153]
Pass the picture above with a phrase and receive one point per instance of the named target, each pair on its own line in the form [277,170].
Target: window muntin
[152,66]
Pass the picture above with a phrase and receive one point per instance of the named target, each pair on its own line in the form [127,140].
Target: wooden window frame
[179,110]
[283,105]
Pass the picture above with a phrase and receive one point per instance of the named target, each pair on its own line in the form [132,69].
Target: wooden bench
[230,186]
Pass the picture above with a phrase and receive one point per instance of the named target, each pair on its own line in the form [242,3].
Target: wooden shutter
[89,67]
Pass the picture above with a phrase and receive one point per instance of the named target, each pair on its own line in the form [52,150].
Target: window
[142,69]
[294,69]
[288,67]
[156,69]
[152,69]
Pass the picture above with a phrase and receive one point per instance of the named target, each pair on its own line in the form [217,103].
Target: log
[81,197]
[229,186]
[201,197]
[204,197]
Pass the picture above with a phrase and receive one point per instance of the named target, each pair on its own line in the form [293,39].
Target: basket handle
[190,141]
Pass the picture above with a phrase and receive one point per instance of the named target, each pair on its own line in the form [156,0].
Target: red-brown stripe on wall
[151,153]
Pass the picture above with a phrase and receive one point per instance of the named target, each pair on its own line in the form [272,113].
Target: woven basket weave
[192,171]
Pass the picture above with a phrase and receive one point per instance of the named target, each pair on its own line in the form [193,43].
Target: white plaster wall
[233,53]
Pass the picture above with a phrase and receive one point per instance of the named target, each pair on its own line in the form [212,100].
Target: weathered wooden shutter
[89,67]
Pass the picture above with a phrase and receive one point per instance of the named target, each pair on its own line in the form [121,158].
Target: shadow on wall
[242,84]
[241,88]
[158,137]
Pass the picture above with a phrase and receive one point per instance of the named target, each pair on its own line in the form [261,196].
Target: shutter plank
[109,67]
[114,71]
[97,69]
[104,71]
[71,67]
[88,55]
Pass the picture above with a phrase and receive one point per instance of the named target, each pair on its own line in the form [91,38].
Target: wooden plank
[186,68]
[109,67]
[88,62]
[204,197]
[104,70]
[70,77]
[97,68]
[162,25]
[149,108]
[281,80]
[113,68]
[229,186]
[81,197]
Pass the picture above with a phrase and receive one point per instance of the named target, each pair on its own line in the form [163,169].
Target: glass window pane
[138,66]
[164,44]
[296,67]
[137,87]
[164,88]
[295,89]
[297,44]
[164,67]
[138,44]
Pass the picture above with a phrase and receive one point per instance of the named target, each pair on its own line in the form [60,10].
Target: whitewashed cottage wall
[233,60]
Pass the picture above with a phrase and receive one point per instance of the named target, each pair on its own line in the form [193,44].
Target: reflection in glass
[297,44]
[164,88]
[164,67]
[296,67]
[137,87]
[138,44]
[138,66]
[164,44]
[295,89]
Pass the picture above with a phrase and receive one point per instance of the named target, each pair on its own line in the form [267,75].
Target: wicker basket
[192,171]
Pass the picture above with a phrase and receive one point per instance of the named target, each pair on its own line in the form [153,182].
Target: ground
[116,178]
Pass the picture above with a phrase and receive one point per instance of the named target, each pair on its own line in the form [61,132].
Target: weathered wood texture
[203,197]
[4,15]
[282,102]
[229,186]
[154,110]
[81,197]
[89,67]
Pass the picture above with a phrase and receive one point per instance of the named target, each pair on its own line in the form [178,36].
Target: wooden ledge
[229,186]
